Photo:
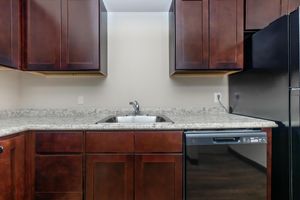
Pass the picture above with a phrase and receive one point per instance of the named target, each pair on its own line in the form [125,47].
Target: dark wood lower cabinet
[58,196]
[12,168]
[158,177]
[59,177]
[109,177]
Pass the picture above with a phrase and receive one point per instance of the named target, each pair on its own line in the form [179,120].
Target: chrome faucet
[136,107]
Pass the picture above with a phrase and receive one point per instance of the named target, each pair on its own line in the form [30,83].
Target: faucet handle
[135,106]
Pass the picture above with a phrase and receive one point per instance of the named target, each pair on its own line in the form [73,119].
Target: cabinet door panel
[10,33]
[293,5]
[43,34]
[192,34]
[80,36]
[6,165]
[226,34]
[58,174]
[260,13]
[12,173]
[158,177]
[109,177]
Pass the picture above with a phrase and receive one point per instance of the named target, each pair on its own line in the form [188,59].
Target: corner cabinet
[10,33]
[206,35]
[12,168]
[66,36]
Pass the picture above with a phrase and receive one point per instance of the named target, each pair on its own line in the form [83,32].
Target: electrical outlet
[217,96]
[80,100]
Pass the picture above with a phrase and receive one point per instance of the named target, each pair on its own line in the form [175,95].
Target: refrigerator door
[295,144]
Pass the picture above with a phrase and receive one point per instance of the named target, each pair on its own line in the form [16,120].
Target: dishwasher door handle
[224,140]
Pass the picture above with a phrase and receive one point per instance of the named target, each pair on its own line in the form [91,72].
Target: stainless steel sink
[136,119]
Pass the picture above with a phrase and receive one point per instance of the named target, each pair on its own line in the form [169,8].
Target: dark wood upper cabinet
[109,177]
[12,168]
[158,177]
[226,34]
[10,34]
[293,5]
[66,35]
[208,35]
[192,35]
[44,19]
[260,13]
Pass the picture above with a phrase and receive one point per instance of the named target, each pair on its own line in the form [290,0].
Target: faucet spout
[136,107]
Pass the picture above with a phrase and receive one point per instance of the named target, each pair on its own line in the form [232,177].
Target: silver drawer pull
[1,149]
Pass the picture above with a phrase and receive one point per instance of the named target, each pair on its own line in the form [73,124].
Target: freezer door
[294,48]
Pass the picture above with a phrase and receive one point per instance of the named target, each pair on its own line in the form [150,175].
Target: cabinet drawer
[58,196]
[109,142]
[158,142]
[59,142]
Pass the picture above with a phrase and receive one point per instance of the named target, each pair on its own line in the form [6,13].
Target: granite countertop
[15,121]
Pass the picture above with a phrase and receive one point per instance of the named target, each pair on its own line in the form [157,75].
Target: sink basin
[136,119]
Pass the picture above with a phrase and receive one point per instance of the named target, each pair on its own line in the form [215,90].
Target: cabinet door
[226,34]
[80,35]
[293,5]
[10,33]
[12,171]
[192,34]
[43,35]
[158,177]
[260,13]
[59,177]
[109,177]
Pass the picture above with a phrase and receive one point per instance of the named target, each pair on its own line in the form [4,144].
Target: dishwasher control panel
[225,137]
[254,140]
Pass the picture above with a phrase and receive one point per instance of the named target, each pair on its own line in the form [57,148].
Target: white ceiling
[137,5]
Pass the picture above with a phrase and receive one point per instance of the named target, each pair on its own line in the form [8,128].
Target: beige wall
[9,89]
[138,69]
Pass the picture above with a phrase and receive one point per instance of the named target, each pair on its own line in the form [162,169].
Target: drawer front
[59,142]
[158,141]
[58,196]
[109,142]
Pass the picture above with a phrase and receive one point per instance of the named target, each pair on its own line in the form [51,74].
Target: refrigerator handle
[295,89]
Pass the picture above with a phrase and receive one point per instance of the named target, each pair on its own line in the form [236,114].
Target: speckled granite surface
[15,121]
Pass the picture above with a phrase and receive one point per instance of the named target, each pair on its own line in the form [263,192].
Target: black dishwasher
[226,165]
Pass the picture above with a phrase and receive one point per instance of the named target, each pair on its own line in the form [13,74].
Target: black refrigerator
[269,88]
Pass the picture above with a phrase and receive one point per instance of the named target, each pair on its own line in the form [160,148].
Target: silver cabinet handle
[1,149]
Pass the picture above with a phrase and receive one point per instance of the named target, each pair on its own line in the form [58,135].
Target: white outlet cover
[80,100]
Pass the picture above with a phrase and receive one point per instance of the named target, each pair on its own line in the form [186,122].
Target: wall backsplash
[138,69]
